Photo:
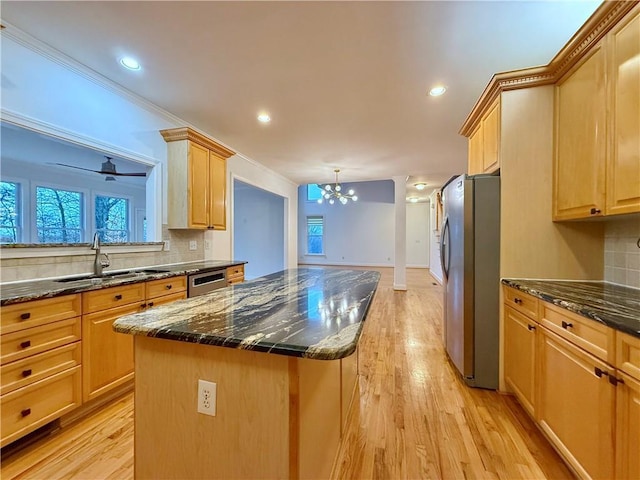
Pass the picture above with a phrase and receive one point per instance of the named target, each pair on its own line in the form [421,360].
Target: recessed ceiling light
[420,186]
[264,118]
[437,91]
[130,63]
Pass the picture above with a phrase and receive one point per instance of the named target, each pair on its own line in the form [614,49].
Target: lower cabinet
[628,428]
[576,405]
[520,356]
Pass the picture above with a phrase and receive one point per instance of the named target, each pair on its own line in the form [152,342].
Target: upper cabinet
[484,142]
[597,128]
[197,180]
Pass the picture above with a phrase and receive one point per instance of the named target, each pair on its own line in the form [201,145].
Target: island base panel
[276,416]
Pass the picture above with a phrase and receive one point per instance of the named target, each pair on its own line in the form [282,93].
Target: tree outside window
[315,235]
[58,215]
[9,213]
[112,219]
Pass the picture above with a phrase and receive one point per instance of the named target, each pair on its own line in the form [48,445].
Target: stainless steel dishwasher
[205,282]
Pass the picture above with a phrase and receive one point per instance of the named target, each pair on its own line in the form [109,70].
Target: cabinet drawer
[628,354]
[522,302]
[112,297]
[594,337]
[166,299]
[164,286]
[21,344]
[235,271]
[234,280]
[29,370]
[37,312]
[31,407]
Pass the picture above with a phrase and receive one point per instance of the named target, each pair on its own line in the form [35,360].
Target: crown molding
[594,29]
[187,133]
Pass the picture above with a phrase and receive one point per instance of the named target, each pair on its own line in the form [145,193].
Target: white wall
[418,235]
[358,233]
[435,266]
[258,234]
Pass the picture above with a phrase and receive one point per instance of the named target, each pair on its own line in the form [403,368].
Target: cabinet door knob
[599,372]
[566,325]
[26,373]
[150,304]
[595,211]
[25,316]
[531,327]
[615,381]
[517,300]
[26,344]
[168,287]
[25,412]
[144,305]
[118,297]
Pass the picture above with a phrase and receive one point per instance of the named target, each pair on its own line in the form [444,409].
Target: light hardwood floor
[416,417]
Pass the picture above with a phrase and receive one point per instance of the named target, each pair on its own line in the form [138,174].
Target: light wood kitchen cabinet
[197,180]
[623,165]
[235,274]
[597,128]
[166,290]
[41,369]
[576,405]
[484,142]
[520,356]
[628,406]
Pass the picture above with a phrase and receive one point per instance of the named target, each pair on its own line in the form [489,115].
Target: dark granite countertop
[314,313]
[613,305]
[18,292]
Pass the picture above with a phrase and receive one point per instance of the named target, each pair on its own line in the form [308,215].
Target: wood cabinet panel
[111,297]
[198,186]
[520,356]
[166,286]
[580,140]
[491,138]
[107,356]
[594,337]
[522,302]
[218,192]
[235,274]
[154,302]
[628,428]
[31,407]
[623,163]
[575,407]
[38,312]
[30,341]
[475,152]
[628,354]
[29,370]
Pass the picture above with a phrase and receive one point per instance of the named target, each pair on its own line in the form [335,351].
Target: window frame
[322,253]
[128,198]
[20,196]
[34,207]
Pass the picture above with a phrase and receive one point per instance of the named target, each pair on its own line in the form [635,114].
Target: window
[9,212]
[314,192]
[59,215]
[315,235]
[112,219]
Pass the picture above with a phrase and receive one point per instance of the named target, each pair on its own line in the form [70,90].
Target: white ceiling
[344,82]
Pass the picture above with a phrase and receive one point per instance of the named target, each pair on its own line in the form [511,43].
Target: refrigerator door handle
[445,258]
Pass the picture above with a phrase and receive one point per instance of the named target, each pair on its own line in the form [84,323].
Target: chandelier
[333,191]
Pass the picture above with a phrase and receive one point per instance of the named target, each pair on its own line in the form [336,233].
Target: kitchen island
[282,351]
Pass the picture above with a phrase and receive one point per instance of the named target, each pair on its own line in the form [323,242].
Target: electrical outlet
[207,245]
[167,245]
[207,398]
[193,245]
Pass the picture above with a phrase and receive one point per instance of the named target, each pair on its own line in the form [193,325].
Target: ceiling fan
[109,169]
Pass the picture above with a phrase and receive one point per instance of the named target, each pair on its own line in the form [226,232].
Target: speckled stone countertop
[614,305]
[314,313]
[18,292]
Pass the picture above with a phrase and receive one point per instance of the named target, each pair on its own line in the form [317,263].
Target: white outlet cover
[167,245]
[193,245]
[207,397]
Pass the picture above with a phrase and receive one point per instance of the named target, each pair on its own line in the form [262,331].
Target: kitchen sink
[109,275]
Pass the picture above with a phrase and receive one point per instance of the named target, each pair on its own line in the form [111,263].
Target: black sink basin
[108,275]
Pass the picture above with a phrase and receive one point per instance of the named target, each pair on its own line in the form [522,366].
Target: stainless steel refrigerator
[470,254]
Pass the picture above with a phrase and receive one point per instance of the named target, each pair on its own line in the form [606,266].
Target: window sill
[31,250]
[315,255]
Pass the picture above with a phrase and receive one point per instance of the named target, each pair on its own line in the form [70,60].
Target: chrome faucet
[102,259]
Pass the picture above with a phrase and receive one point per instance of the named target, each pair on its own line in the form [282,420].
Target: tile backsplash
[621,251]
[27,268]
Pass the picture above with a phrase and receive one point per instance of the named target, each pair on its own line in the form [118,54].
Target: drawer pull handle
[118,297]
[531,327]
[168,287]
[25,316]
[615,381]
[26,373]
[599,372]
[566,325]
[144,305]
[595,211]
[25,412]
[150,304]
[26,344]
[517,301]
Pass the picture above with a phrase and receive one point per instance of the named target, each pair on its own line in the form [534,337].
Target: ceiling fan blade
[118,174]
[79,168]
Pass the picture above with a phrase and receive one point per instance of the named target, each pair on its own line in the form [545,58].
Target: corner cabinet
[597,128]
[484,142]
[197,180]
